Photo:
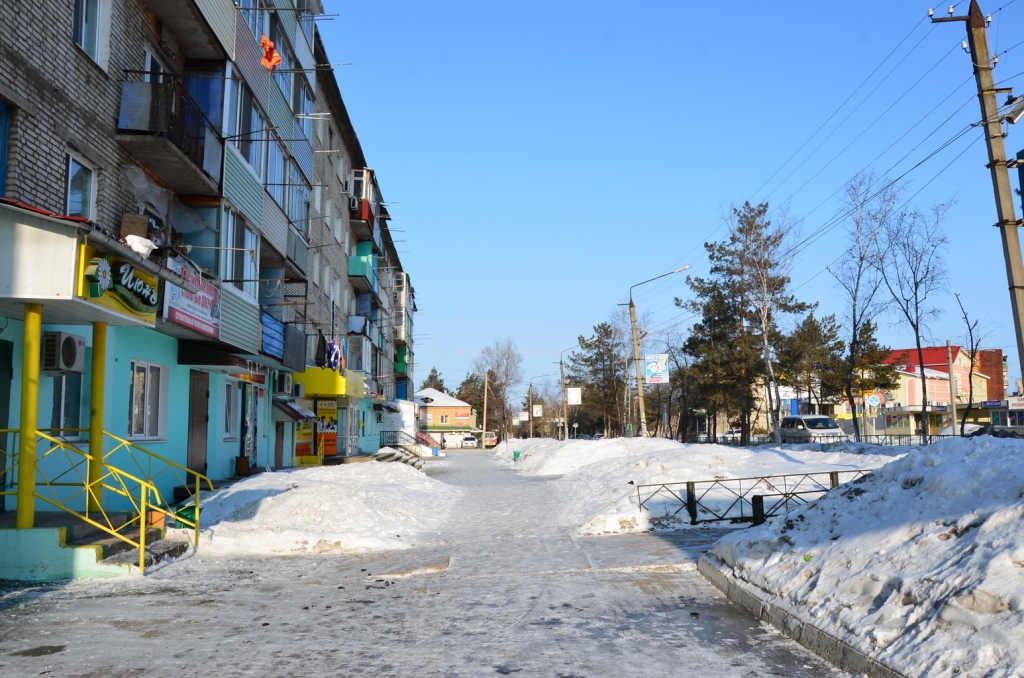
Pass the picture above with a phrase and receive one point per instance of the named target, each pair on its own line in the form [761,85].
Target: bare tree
[867,210]
[504,363]
[973,338]
[911,266]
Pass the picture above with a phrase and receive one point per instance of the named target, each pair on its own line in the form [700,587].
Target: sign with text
[107,281]
[327,425]
[574,396]
[656,368]
[524,416]
[538,411]
[199,312]
[1015,403]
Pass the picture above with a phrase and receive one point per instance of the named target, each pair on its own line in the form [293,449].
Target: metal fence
[901,440]
[733,499]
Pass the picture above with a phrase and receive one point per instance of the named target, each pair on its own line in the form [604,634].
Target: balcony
[362,275]
[363,219]
[163,127]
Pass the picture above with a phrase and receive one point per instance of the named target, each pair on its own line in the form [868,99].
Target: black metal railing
[160,104]
[903,440]
[732,499]
[399,439]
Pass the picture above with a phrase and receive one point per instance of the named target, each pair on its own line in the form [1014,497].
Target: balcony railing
[162,109]
[362,274]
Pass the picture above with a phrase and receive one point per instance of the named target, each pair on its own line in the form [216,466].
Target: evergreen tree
[434,381]
[471,391]
[872,367]
[600,368]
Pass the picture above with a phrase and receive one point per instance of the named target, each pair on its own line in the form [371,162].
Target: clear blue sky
[544,156]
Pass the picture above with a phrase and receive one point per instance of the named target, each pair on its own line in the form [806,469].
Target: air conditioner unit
[283,384]
[299,390]
[353,203]
[63,353]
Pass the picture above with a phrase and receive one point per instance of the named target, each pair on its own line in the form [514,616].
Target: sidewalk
[501,590]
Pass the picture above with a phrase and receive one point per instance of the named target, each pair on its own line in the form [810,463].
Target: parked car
[469,442]
[810,428]
[598,436]
[490,439]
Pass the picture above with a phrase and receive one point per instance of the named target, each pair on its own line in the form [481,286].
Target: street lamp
[530,390]
[636,348]
[565,400]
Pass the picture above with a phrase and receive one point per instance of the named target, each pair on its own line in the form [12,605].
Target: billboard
[117,285]
[656,368]
[524,416]
[200,311]
[538,411]
[574,396]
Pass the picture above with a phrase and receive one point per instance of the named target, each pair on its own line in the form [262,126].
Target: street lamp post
[636,349]
[565,400]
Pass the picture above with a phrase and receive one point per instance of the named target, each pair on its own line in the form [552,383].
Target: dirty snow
[595,474]
[920,565]
[324,509]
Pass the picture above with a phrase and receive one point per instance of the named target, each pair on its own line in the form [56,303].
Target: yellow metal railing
[164,465]
[71,483]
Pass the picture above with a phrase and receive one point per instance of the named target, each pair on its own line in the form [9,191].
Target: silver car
[469,442]
[811,428]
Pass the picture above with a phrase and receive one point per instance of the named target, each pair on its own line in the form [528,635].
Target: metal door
[279,444]
[198,419]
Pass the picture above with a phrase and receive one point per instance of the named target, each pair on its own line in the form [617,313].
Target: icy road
[504,589]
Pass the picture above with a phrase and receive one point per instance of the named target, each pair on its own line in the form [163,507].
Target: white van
[811,428]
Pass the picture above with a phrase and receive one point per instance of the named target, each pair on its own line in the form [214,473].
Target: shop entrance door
[279,444]
[6,381]
[198,419]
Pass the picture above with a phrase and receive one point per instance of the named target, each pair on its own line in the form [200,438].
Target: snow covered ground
[325,509]
[920,565]
[595,474]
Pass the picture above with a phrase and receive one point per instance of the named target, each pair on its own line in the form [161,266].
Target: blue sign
[992,403]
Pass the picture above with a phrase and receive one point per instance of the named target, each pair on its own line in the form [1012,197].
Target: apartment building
[188,239]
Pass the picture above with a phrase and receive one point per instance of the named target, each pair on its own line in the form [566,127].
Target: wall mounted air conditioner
[299,390]
[283,384]
[63,354]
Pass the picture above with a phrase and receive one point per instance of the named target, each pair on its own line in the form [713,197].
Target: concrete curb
[814,639]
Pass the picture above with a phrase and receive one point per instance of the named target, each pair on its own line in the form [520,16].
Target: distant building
[444,417]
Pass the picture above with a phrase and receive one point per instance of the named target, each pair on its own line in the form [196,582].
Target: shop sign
[992,403]
[656,368]
[199,312]
[118,285]
[327,425]
[574,396]
[462,415]
[1015,403]
[303,438]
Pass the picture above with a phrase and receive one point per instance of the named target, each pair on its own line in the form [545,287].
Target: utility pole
[997,162]
[636,363]
[952,392]
[487,374]
[565,406]
[531,409]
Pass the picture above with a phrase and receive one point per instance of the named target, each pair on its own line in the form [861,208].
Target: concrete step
[75,529]
[112,546]
[155,552]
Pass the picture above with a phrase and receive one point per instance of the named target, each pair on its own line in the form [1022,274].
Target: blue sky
[541,157]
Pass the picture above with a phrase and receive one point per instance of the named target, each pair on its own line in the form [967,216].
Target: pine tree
[434,381]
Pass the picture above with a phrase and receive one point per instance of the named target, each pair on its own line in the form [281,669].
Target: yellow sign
[118,285]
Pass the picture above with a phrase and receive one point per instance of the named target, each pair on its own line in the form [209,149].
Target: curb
[823,644]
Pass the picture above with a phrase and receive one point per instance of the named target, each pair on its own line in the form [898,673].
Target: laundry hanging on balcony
[271,57]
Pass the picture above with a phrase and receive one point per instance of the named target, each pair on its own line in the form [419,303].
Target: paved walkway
[504,590]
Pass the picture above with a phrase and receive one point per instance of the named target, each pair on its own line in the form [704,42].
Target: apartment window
[444,418]
[87,27]
[355,354]
[230,411]
[276,176]
[302,103]
[3,146]
[154,69]
[81,189]
[240,253]
[305,17]
[246,125]
[283,72]
[328,279]
[314,268]
[298,200]
[255,15]
[145,400]
[67,405]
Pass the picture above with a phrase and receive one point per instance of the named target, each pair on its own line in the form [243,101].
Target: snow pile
[919,565]
[600,500]
[325,509]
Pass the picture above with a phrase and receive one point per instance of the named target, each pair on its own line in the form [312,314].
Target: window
[302,104]
[355,354]
[154,70]
[230,411]
[245,124]
[1000,418]
[3,146]
[255,16]
[87,27]
[444,418]
[305,17]
[298,200]
[283,72]
[314,268]
[145,400]
[276,177]
[81,190]
[240,253]
[67,405]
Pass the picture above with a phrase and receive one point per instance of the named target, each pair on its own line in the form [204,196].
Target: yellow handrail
[178,469]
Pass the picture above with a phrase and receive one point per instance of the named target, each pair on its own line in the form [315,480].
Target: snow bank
[595,474]
[326,509]
[920,565]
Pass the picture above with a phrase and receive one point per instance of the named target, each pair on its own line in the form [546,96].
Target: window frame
[60,381]
[160,432]
[443,418]
[240,254]
[79,27]
[75,159]
[231,410]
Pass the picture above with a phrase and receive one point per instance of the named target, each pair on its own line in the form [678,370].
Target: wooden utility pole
[531,409]
[483,436]
[565,407]
[639,376]
[952,383]
[997,162]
